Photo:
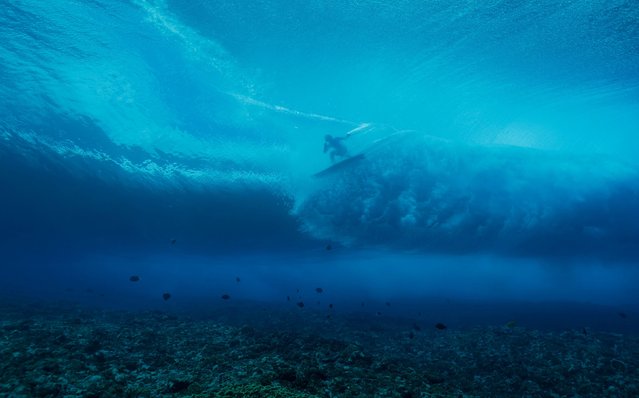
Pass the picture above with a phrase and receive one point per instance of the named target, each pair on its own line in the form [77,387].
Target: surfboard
[341,165]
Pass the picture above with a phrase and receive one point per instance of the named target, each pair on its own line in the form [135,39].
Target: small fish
[330,306]
[173,241]
[134,278]
[622,315]
[379,313]
[329,247]
[300,304]
[166,296]
[288,298]
[388,303]
[237,279]
[362,303]
[319,290]
[318,302]
[298,290]
[225,296]
[440,326]
[411,335]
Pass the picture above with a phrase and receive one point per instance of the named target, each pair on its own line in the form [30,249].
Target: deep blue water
[500,145]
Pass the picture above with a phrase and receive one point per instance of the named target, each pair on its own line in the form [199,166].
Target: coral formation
[258,351]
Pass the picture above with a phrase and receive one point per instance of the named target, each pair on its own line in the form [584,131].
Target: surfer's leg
[341,150]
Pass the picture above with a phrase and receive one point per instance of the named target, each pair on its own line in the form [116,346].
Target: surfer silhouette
[335,146]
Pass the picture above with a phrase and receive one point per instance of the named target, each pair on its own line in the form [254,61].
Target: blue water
[500,145]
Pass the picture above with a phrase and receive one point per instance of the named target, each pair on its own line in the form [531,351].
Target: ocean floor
[250,349]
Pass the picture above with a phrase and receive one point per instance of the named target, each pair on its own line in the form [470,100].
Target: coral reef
[253,350]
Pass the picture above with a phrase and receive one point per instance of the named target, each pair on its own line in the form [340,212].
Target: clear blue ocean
[357,198]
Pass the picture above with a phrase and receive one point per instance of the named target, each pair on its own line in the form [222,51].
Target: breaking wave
[437,196]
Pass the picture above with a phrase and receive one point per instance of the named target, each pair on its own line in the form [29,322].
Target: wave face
[493,127]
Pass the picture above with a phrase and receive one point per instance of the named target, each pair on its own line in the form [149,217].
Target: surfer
[336,147]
